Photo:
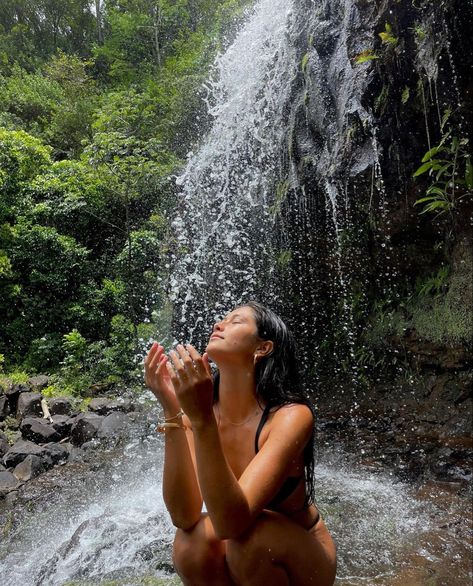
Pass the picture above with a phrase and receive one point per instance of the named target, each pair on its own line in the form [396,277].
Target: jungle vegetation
[97,105]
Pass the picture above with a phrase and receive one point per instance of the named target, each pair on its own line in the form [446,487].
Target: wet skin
[239,541]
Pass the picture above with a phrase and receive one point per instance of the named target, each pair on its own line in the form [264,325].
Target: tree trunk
[98,17]
[157,16]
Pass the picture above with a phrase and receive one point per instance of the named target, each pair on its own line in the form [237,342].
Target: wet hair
[277,376]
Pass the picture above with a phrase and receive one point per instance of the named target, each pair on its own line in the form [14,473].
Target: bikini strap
[264,418]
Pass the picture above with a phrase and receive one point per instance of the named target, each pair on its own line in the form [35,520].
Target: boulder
[12,393]
[4,445]
[29,404]
[39,430]
[103,406]
[85,427]
[113,425]
[7,482]
[62,424]
[60,406]
[30,467]
[38,383]
[18,452]
[54,454]
[16,389]
[4,407]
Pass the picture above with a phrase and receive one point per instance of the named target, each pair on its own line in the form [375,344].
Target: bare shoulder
[294,415]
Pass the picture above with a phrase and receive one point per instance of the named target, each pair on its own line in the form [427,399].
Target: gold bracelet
[161,427]
[180,414]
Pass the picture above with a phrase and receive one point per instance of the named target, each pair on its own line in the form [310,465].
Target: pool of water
[105,522]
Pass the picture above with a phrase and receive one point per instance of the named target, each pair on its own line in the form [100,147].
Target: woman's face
[235,336]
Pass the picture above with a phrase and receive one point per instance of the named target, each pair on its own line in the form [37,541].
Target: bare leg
[199,557]
[276,551]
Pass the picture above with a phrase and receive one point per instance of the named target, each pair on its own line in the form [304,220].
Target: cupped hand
[158,380]
[191,377]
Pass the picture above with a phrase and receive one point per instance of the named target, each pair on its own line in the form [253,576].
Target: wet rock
[113,425]
[30,467]
[8,482]
[39,430]
[62,424]
[11,498]
[54,454]
[103,406]
[4,407]
[29,404]
[38,383]
[60,406]
[85,427]
[18,452]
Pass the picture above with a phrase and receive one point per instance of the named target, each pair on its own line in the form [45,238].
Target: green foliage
[304,62]
[55,104]
[97,115]
[386,36]
[435,284]
[405,95]
[364,56]
[448,166]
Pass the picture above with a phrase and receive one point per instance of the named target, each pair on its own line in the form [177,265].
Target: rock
[39,430]
[60,406]
[113,425]
[29,404]
[12,394]
[62,424]
[2,467]
[54,454]
[7,482]
[11,498]
[16,389]
[30,467]
[38,383]
[4,445]
[103,406]
[4,407]
[18,452]
[85,427]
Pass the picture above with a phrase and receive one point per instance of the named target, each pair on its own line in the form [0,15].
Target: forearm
[225,501]
[181,492]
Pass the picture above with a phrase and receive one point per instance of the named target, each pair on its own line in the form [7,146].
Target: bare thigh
[273,551]
[274,542]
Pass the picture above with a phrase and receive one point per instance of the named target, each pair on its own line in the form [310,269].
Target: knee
[246,554]
[196,552]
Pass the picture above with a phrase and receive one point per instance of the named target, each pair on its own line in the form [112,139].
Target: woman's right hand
[157,378]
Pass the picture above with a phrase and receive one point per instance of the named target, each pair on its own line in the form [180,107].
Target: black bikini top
[291,482]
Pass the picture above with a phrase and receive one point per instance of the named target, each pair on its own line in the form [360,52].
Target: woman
[242,445]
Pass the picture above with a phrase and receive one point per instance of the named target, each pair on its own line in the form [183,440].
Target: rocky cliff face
[385,290]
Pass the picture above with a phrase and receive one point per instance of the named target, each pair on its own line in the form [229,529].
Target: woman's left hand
[192,380]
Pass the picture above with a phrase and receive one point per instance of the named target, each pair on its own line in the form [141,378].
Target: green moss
[381,100]
[439,311]
[447,319]
[15,377]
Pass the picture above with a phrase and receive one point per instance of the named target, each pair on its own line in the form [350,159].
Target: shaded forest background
[99,103]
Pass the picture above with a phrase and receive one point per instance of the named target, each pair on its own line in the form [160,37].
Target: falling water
[224,220]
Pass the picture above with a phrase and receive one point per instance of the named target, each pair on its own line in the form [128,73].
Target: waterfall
[224,220]
[266,198]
